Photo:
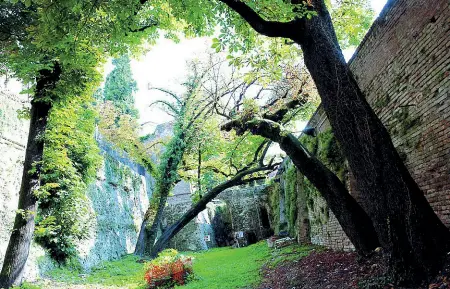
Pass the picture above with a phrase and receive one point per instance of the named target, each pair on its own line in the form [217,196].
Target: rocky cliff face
[119,199]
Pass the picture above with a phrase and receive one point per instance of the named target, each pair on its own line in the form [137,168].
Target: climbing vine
[70,161]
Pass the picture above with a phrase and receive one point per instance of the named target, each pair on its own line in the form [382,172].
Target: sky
[164,66]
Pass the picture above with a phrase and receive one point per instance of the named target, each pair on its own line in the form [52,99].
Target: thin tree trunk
[354,220]
[19,243]
[147,235]
[199,170]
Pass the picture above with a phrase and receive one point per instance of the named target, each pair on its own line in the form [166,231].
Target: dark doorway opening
[264,217]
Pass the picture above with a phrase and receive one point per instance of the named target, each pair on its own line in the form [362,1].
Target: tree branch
[279,114]
[260,25]
[143,28]
[236,180]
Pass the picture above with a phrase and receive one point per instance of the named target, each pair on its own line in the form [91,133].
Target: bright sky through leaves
[165,66]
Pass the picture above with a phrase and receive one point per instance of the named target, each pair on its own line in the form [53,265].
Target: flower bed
[169,269]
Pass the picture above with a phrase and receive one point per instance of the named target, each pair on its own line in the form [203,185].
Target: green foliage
[120,86]
[351,20]
[274,191]
[325,147]
[402,122]
[292,189]
[70,161]
[122,130]
[329,152]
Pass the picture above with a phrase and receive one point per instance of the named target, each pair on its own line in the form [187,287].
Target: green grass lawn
[123,273]
[223,268]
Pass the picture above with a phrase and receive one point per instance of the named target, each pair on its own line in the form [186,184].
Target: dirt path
[48,284]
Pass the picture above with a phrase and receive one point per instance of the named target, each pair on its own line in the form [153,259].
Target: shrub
[169,269]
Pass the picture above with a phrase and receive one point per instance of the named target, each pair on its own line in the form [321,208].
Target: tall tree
[417,248]
[21,236]
[120,86]
[44,43]
[189,112]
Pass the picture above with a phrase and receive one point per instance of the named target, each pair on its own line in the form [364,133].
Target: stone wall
[403,67]
[247,205]
[13,137]
[119,196]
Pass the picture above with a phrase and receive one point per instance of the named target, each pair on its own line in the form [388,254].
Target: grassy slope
[223,268]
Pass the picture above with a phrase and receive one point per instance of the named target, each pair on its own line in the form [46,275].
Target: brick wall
[403,67]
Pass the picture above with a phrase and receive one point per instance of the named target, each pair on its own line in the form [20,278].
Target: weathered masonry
[403,67]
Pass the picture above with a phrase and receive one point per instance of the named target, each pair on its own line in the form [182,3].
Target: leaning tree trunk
[22,233]
[147,235]
[354,220]
[171,231]
[405,222]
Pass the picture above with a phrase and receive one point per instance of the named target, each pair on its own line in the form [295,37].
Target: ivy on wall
[70,161]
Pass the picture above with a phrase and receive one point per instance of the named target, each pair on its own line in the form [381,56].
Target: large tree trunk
[405,222]
[22,233]
[353,219]
[171,231]
[407,227]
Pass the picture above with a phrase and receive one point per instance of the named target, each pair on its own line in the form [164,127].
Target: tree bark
[171,231]
[354,220]
[415,238]
[147,236]
[22,233]
[405,222]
